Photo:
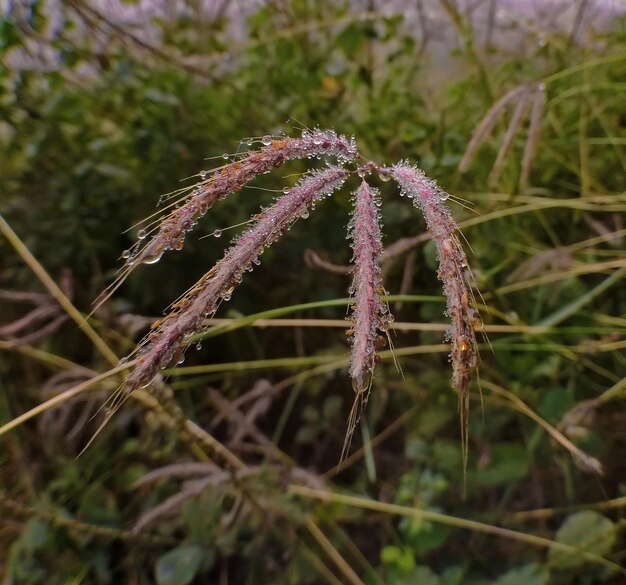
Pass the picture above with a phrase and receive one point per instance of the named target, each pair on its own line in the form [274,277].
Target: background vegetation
[98,117]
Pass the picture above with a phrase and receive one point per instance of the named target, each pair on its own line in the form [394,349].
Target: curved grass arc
[447,520]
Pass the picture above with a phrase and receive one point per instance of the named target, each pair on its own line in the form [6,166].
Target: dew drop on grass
[225,156]
[217,233]
[147,382]
[199,345]
[126,254]
[142,234]
[443,196]
[266,140]
[153,258]
[286,190]
[203,175]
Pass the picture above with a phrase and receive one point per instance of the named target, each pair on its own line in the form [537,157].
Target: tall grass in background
[228,469]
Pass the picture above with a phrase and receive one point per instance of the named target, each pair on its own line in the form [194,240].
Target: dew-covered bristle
[370,316]
[182,218]
[170,336]
[430,199]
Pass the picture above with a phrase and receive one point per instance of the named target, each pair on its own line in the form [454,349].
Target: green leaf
[508,462]
[400,558]
[351,39]
[35,535]
[9,35]
[588,531]
[452,576]
[180,565]
[425,576]
[531,574]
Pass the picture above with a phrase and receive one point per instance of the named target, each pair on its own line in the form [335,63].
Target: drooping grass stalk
[173,333]
[488,122]
[507,141]
[371,319]
[461,306]
[172,229]
[539,103]
[370,315]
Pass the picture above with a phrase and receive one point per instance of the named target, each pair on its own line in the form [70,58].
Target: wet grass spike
[370,316]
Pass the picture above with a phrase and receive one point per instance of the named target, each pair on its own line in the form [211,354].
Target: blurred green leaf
[527,575]
[180,565]
[589,531]
[35,534]
[507,462]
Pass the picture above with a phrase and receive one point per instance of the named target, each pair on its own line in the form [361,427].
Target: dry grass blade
[56,291]
[486,124]
[536,114]
[473,525]
[507,141]
[585,461]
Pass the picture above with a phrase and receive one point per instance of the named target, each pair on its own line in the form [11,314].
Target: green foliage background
[85,151]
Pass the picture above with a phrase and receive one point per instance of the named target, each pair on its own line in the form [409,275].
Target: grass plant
[228,467]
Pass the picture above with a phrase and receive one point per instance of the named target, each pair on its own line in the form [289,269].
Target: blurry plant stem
[428,515]
[466,35]
[19,509]
[41,273]
[545,513]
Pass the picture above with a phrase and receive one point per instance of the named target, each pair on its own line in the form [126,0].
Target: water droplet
[146,383]
[181,359]
[152,258]
[384,177]
[304,214]
[226,156]
[285,190]
[249,142]
[142,234]
[179,245]
[317,140]
[266,140]
[123,361]
[443,196]
[217,233]
[256,261]
[199,345]
[126,254]
[203,175]
[227,296]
